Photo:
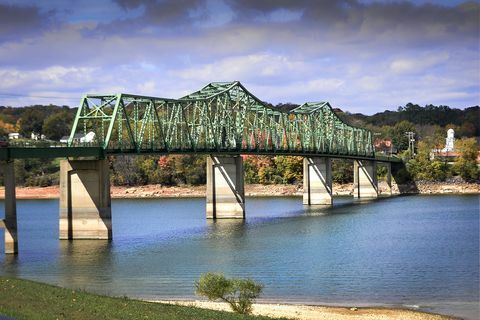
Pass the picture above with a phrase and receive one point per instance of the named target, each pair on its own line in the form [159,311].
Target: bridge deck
[10,153]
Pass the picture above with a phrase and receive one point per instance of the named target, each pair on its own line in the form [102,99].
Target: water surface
[404,251]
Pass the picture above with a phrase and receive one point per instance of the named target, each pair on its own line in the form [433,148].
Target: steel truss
[223,117]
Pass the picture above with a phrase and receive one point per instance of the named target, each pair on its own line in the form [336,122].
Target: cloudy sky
[361,55]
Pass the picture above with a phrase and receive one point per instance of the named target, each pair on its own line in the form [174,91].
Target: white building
[13,135]
[449,141]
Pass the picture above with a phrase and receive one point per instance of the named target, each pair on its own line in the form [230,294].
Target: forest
[429,124]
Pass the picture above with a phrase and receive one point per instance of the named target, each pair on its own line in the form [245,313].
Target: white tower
[449,141]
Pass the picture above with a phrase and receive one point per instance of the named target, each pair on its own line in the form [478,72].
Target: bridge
[223,120]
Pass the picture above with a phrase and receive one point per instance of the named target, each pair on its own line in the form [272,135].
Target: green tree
[288,169]
[398,136]
[342,170]
[422,168]
[238,293]
[31,121]
[466,164]
[57,125]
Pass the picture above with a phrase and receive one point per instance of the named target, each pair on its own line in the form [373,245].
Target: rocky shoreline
[251,190]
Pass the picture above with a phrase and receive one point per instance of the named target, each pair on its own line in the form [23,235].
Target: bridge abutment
[365,179]
[317,181]
[9,223]
[85,203]
[225,187]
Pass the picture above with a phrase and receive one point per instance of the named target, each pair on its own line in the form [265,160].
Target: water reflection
[220,228]
[82,261]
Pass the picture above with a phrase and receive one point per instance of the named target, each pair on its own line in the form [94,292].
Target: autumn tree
[466,164]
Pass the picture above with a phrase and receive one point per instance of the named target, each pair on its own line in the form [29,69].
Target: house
[77,138]
[13,135]
[384,146]
[37,136]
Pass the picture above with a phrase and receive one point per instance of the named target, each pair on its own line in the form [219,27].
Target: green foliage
[260,169]
[131,170]
[57,125]
[289,169]
[422,168]
[238,293]
[465,121]
[342,170]
[23,299]
[466,165]
[398,136]
[31,121]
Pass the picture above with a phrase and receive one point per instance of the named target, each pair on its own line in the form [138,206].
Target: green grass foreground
[24,299]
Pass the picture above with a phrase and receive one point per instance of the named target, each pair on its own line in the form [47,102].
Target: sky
[360,55]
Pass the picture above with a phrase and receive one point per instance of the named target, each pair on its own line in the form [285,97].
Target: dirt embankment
[252,190]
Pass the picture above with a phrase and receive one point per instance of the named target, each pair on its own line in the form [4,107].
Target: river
[416,251]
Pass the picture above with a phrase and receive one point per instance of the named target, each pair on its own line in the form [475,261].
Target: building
[384,146]
[13,135]
[448,153]
[77,138]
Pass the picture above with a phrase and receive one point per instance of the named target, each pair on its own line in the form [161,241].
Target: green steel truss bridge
[221,118]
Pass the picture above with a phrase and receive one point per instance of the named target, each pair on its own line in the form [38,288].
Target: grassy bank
[23,299]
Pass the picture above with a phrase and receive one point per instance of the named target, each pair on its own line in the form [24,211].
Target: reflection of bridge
[222,120]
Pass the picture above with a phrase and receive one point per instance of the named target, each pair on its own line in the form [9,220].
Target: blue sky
[360,55]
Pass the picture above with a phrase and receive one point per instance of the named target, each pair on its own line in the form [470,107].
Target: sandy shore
[305,312]
[251,190]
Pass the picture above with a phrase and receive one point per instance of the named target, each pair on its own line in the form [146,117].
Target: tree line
[429,124]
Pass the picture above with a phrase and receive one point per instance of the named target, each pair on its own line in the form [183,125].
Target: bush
[238,293]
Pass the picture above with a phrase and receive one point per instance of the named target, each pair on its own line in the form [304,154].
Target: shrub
[238,293]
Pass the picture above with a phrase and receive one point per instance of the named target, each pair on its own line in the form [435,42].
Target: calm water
[405,251]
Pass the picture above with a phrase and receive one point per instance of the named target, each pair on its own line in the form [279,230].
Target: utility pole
[411,143]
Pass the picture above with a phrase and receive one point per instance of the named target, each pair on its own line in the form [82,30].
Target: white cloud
[253,66]
[418,63]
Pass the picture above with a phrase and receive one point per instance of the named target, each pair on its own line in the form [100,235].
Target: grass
[24,299]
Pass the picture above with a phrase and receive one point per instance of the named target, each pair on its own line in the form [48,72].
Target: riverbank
[251,190]
[309,312]
[24,299]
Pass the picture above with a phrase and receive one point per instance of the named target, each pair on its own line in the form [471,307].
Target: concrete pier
[225,187]
[9,223]
[365,179]
[317,181]
[85,203]
[388,165]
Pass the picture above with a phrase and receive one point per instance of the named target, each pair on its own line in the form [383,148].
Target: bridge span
[223,121]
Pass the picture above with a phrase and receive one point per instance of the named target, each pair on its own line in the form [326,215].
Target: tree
[31,121]
[422,168]
[342,170]
[238,293]
[466,164]
[289,169]
[57,125]
[398,136]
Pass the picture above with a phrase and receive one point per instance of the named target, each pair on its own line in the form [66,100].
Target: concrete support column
[10,220]
[85,203]
[225,188]
[317,181]
[388,165]
[365,179]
